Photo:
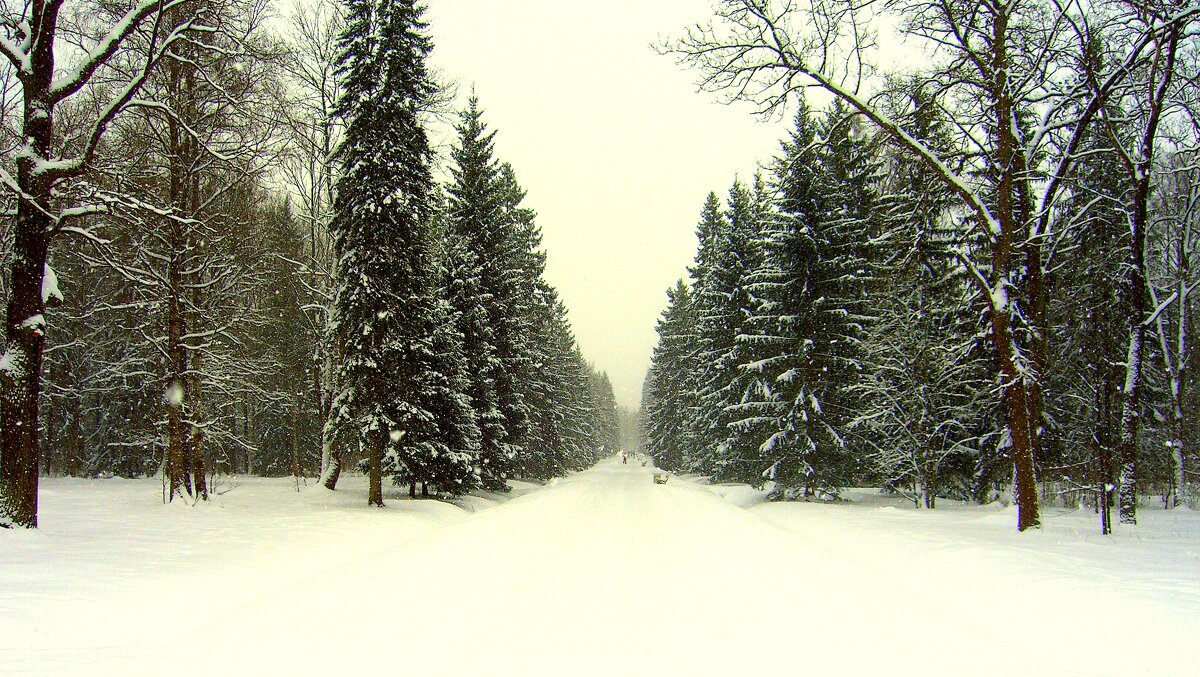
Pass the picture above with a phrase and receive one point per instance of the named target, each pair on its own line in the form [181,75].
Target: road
[602,573]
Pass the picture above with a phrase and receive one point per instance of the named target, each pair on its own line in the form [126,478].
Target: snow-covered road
[606,573]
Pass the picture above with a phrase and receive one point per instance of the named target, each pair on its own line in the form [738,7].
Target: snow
[50,288]
[601,573]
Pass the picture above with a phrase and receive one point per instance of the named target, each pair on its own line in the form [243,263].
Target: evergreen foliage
[398,377]
[666,397]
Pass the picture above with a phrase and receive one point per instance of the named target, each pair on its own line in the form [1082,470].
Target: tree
[924,385]
[1088,319]
[198,135]
[50,195]
[1176,240]
[475,211]
[385,309]
[1144,98]
[722,304]
[665,400]
[310,171]
[608,427]
[1020,130]
[802,352]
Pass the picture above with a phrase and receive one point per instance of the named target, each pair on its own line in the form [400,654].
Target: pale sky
[612,142]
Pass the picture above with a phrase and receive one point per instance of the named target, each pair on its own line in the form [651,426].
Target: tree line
[957,280]
[255,267]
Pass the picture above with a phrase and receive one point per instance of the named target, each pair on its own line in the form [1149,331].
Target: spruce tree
[708,339]
[516,274]
[786,323]
[665,395]
[395,391]
[484,205]
[723,304]
[802,354]
[475,215]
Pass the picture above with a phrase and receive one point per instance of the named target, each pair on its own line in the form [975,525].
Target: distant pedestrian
[624,459]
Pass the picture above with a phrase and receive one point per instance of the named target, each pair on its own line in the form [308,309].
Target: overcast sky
[612,142]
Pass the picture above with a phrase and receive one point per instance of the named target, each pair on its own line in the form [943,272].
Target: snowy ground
[602,573]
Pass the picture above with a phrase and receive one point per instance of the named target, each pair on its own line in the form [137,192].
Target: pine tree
[607,440]
[707,339]
[475,217]
[393,382]
[1089,318]
[516,275]
[787,289]
[723,306]
[801,353]
[665,398]
[485,211]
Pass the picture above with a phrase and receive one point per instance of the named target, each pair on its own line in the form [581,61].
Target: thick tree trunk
[22,369]
[25,323]
[1020,388]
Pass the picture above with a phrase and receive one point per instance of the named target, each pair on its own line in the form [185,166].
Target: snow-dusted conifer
[475,213]
[386,311]
[723,304]
[788,289]
[665,398]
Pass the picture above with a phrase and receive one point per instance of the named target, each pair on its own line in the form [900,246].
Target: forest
[234,246]
[970,279]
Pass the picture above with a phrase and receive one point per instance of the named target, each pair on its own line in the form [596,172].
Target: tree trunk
[25,333]
[198,435]
[331,461]
[1019,402]
[333,469]
[1127,450]
[375,443]
[176,381]
[249,435]
[296,419]
[25,323]
[76,439]
[51,437]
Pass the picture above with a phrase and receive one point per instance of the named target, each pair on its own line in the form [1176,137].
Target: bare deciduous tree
[34,36]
